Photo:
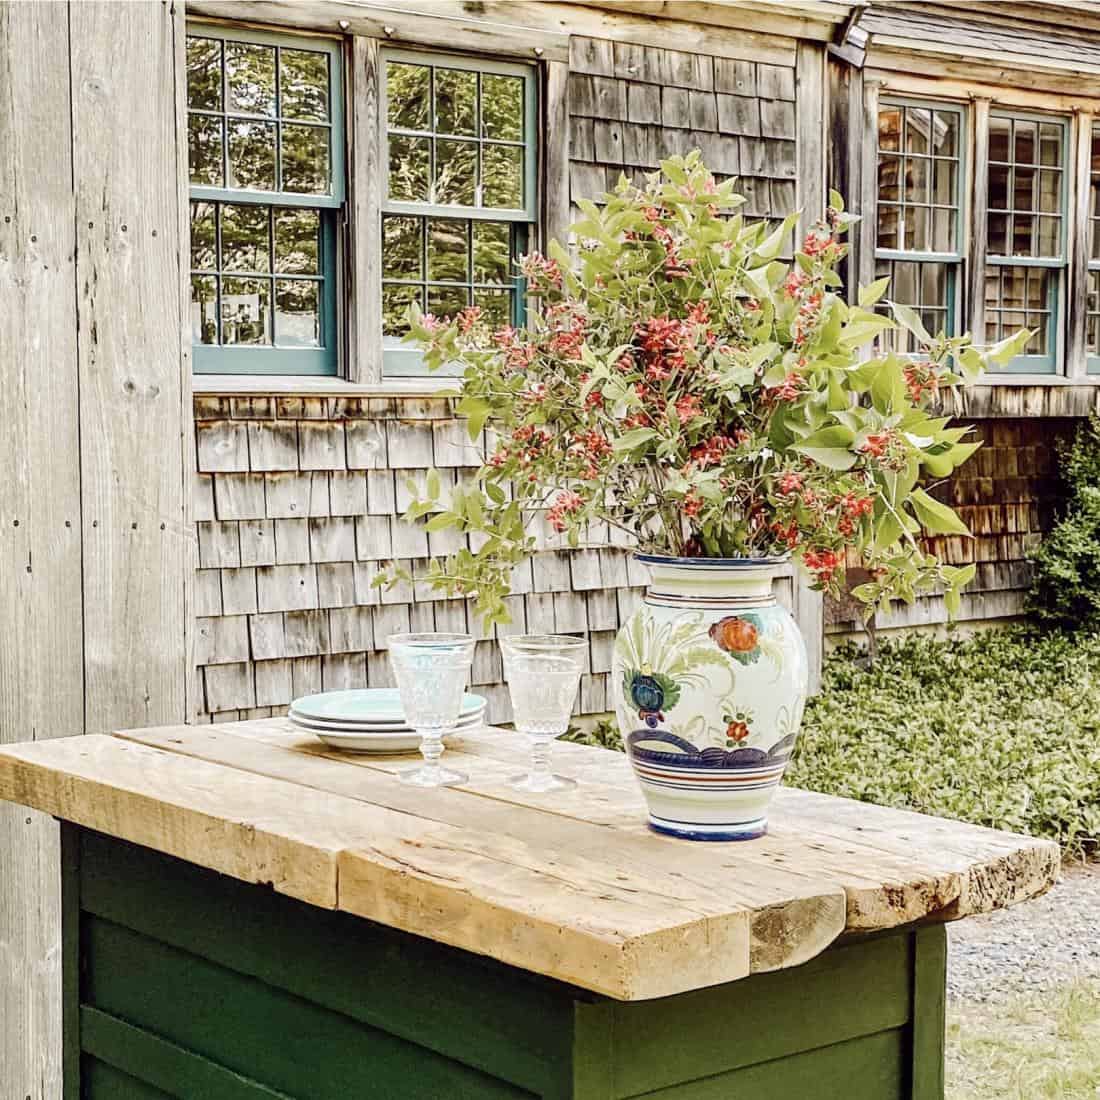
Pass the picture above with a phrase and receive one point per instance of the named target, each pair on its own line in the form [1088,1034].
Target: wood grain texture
[135,544]
[364,275]
[577,890]
[979,219]
[1077,277]
[41,656]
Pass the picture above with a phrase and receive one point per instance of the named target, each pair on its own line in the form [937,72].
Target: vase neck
[713,580]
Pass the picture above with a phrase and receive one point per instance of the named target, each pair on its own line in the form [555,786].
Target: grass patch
[1000,729]
[1032,1047]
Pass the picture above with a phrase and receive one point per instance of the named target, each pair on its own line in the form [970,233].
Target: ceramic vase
[709,677]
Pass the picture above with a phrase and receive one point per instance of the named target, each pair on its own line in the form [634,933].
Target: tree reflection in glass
[305,159]
[245,237]
[297,234]
[250,78]
[245,311]
[297,316]
[252,155]
[303,85]
[204,73]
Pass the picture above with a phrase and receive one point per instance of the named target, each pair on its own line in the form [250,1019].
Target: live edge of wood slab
[573,885]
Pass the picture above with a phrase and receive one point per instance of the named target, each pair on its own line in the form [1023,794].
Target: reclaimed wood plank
[135,548]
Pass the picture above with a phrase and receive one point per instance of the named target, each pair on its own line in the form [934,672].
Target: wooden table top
[571,885]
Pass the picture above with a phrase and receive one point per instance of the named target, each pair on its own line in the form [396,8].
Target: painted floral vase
[710,679]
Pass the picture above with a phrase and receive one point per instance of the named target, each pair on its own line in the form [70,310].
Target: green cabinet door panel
[184,983]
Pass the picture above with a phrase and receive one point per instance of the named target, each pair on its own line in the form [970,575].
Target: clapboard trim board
[574,888]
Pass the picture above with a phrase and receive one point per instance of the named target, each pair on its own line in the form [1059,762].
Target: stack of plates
[369,719]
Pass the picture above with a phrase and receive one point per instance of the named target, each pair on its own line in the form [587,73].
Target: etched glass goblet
[431,671]
[543,671]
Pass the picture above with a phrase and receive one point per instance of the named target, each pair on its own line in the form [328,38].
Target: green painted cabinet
[183,983]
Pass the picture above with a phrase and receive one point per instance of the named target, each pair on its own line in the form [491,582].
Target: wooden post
[868,184]
[810,105]
[363,272]
[979,221]
[1077,279]
[555,152]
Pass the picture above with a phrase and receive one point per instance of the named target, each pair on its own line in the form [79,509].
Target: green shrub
[1066,588]
[1001,730]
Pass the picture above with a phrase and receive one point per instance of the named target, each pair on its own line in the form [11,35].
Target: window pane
[1000,130]
[1050,143]
[1023,231]
[297,313]
[889,222]
[943,185]
[917,227]
[918,128]
[945,134]
[448,253]
[409,159]
[250,78]
[204,150]
[252,155]
[1050,192]
[998,234]
[1025,134]
[455,173]
[303,85]
[944,229]
[1000,176]
[496,307]
[455,101]
[446,301]
[245,243]
[889,178]
[204,309]
[408,95]
[305,159]
[502,176]
[1023,189]
[204,73]
[401,247]
[204,237]
[904,284]
[246,305]
[889,128]
[1092,306]
[1049,242]
[297,237]
[502,107]
[396,299]
[916,179]
[492,252]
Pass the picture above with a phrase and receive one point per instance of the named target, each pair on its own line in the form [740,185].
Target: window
[1026,234]
[920,238]
[265,153]
[1092,290]
[459,198]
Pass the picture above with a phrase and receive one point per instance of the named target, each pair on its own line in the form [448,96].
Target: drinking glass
[431,671]
[543,671]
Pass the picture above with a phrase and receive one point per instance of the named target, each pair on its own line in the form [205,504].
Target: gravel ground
[1032,947]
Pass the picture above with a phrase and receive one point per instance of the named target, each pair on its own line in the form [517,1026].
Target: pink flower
[566,503]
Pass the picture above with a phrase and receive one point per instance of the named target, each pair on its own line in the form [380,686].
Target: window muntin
[265,149]
[1026,233]
[919,210]
[459,194]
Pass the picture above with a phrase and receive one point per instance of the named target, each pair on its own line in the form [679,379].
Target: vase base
[690,830]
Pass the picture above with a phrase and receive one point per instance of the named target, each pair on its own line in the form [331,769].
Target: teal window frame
[1092,265]
[952,261]
[1046,363]
[398,359]
[274,359]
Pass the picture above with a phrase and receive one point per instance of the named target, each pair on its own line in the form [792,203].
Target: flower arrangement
[681,384]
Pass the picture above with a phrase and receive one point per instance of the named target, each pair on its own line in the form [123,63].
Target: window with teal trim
[460,191]
[919,232]
[265,155]
[1026,234]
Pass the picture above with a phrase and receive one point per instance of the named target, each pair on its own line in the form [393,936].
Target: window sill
[249,385]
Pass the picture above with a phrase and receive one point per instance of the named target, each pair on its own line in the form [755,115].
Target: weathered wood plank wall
[95,546]
[41,654]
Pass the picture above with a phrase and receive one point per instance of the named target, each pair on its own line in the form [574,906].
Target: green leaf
[937,518]
[871,293]
[441,522]
[908,318]
[476,410]
[633,439]
[432,485]
[836,200]
[1004,351]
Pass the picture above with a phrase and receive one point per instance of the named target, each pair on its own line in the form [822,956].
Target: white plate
[379,742]
[376,707]
[355,728]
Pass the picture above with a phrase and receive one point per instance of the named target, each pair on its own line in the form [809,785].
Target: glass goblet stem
[431,748]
